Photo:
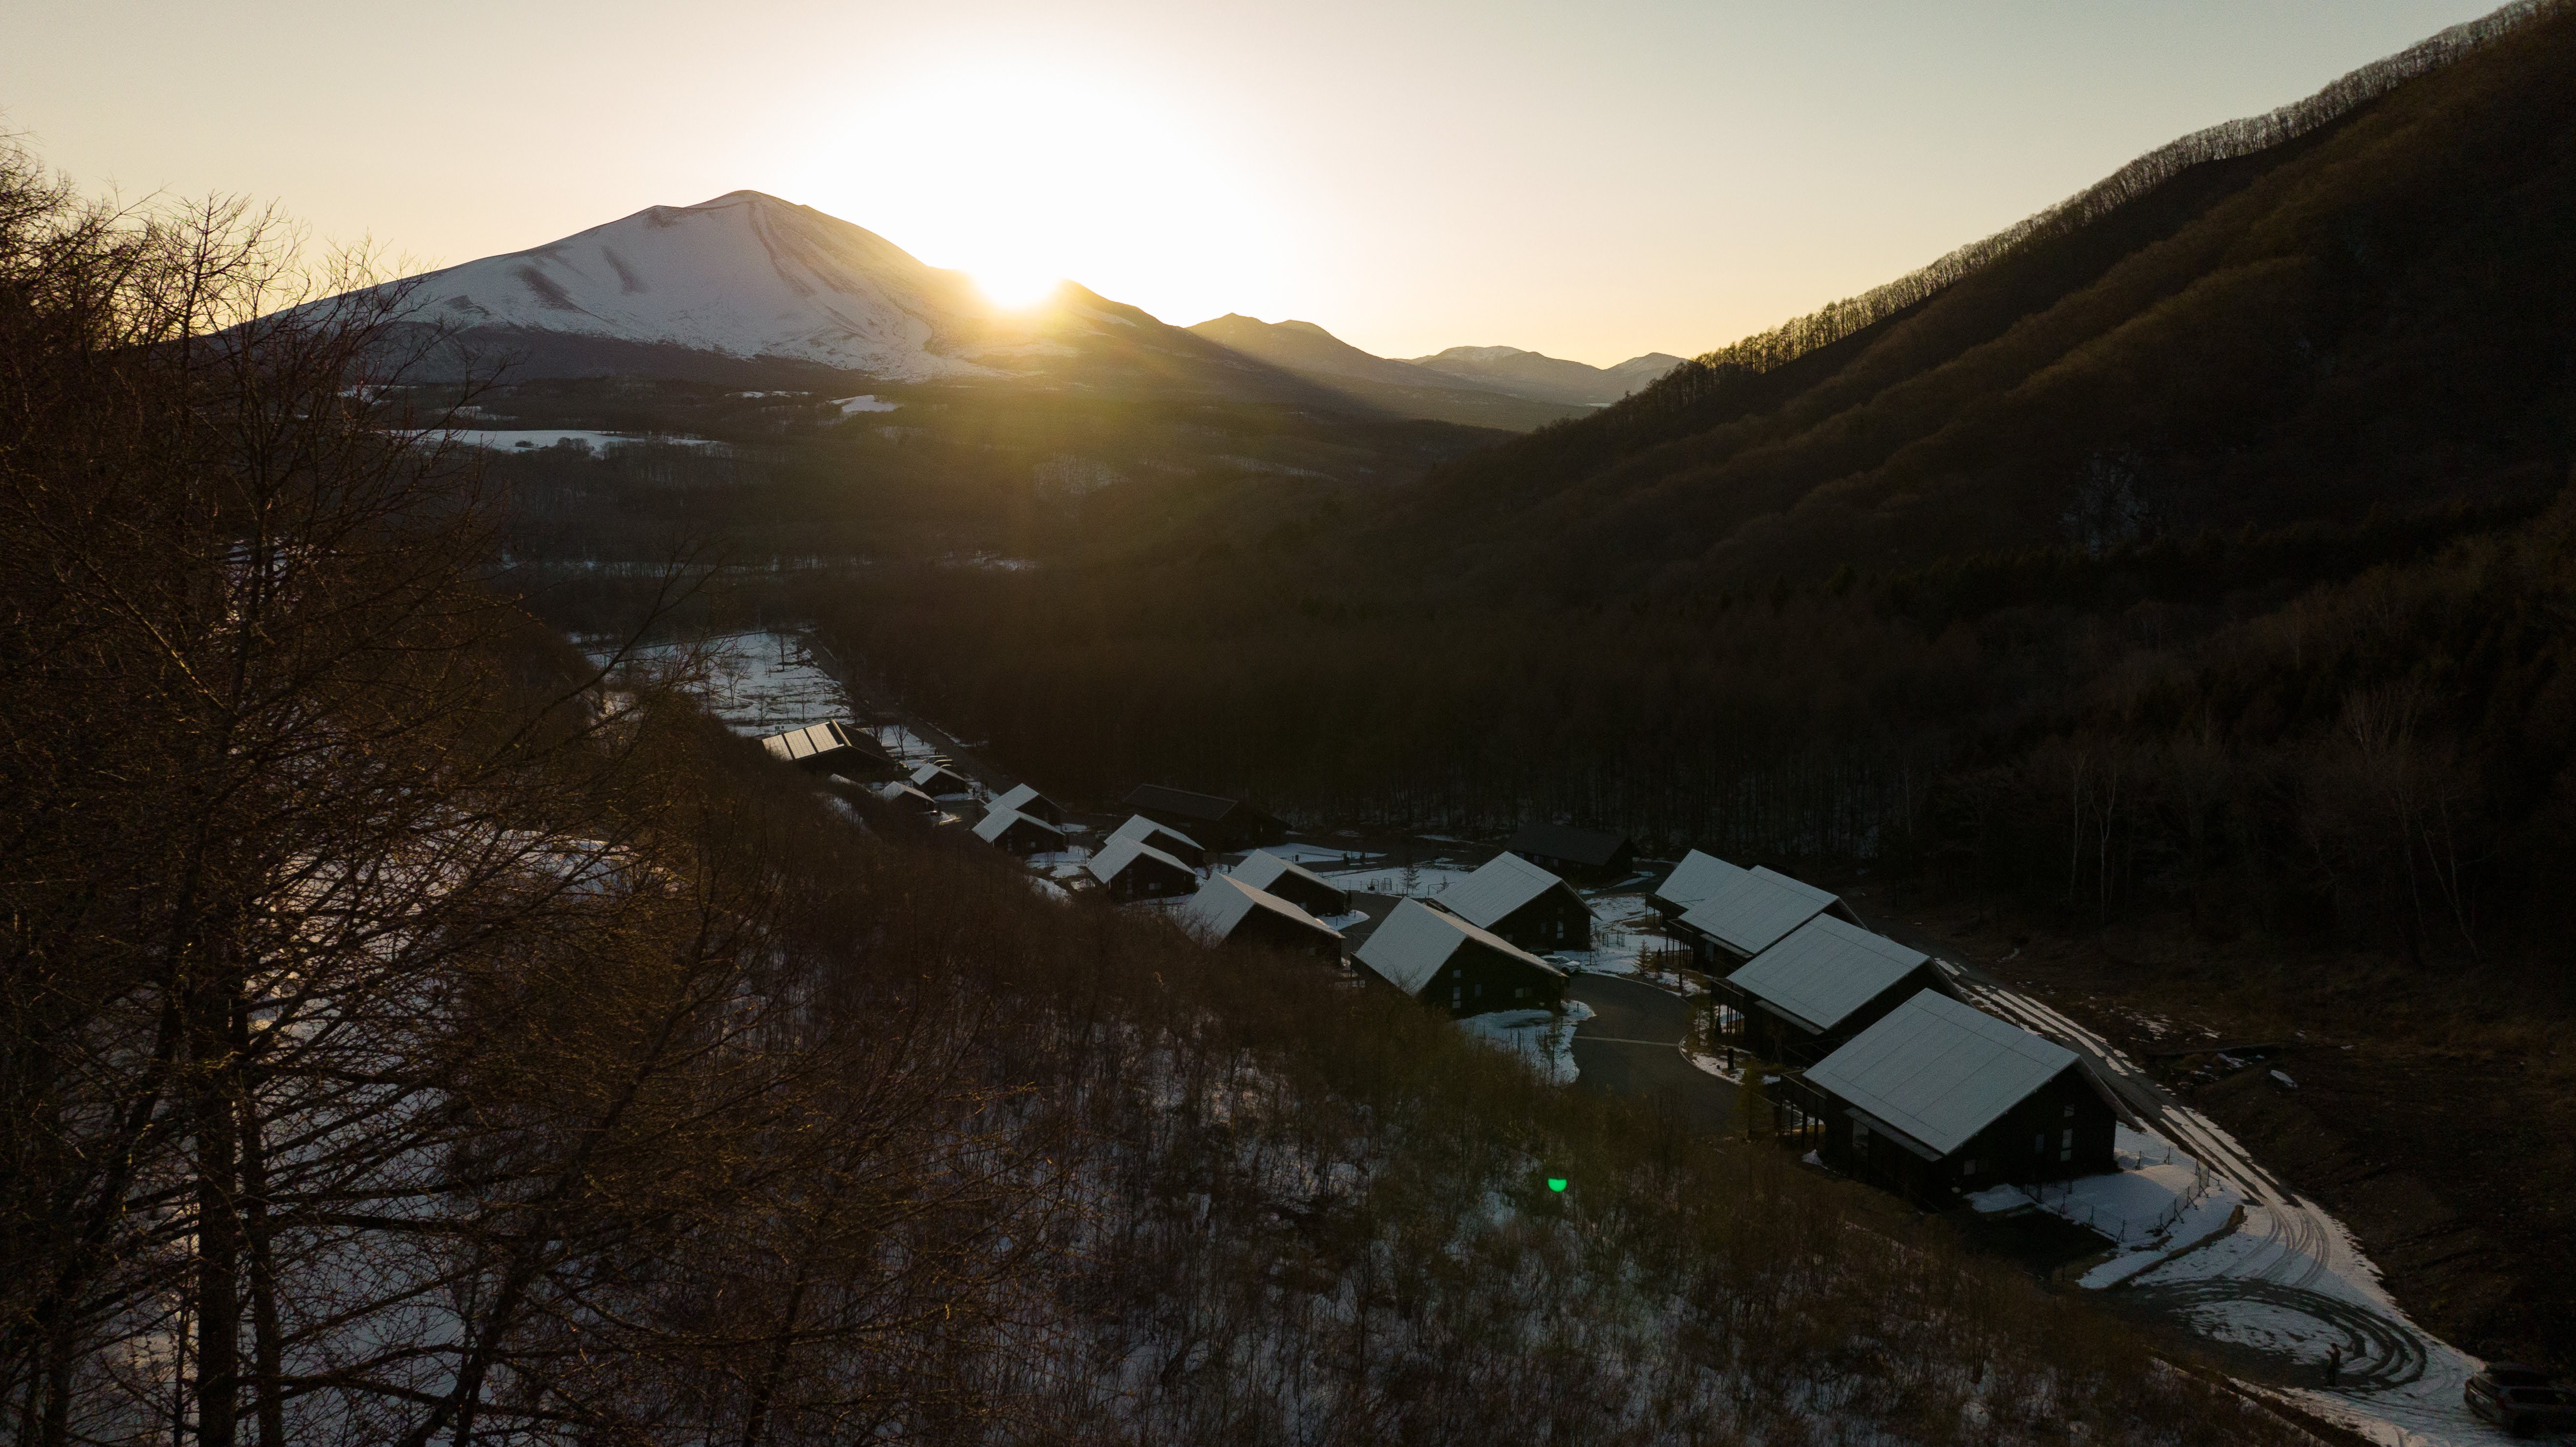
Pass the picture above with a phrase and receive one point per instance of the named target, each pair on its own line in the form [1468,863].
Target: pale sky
[1591,180]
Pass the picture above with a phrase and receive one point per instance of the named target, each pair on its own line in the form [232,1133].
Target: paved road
[1632,1046]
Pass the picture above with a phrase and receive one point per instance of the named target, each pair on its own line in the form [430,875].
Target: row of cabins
[1896,1078]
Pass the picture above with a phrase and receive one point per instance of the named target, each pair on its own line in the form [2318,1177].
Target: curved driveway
[1632,1046]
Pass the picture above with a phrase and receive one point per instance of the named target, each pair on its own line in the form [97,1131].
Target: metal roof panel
[1825,969]
[1940,1071]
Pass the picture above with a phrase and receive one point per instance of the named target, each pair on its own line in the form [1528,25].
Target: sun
[1014,288]
[1027,173]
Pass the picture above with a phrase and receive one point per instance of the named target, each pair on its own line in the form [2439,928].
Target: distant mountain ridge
[1316,354]
[1553,379]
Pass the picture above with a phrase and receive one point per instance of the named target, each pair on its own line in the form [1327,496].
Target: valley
[711,831]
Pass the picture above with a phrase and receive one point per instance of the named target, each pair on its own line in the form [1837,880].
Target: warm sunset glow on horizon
[1592,182]
[1024,173]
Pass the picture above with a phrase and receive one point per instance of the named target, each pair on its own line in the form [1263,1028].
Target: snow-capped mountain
[747,285]
[750,276]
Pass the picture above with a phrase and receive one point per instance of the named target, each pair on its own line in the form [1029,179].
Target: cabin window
[1520,992]
[1860,1135]
[2066,1148]
[2039,1144]
[2070,1112]
[1968,1167]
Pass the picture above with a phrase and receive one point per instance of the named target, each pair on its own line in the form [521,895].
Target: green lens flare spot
[1556,1183]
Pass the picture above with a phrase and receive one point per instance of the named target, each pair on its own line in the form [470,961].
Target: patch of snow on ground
[1311,855]
[757,683]
[1543,1039]
[2156,1193]
[2289,1282]
[1415,881]
[1061,863]
[2000,1200]
[851,406]
[1625,931]
[531,439]
[1346,921]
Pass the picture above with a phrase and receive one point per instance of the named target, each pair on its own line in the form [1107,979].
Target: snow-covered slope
[750,276]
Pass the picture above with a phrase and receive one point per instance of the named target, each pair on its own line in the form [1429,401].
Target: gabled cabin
[1171,841]
[1129,870]
[1524,904]
[1698,876]
[1227,911]
[909,797]
[1444,961]
[833,748]
[1749,914]
[1825,983]
[1026,799]
[1586,854]
[942,782]
[1939,1098]
[1017,833]
[1222,824]
[1290,881]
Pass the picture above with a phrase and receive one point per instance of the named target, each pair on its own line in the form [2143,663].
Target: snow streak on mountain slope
[745,275]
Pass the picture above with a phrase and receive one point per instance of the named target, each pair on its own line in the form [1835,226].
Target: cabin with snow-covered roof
[1169,840]
[1522,903]
[1018,833]
[832,747]
[1227,911]
[942,782]
[1221,823]
[1445,961]
[1939,1098]
[907,796]
[1128,869]
[1588,854]
[1750,913]
[1829,980]
[1293,882]
[1698,876]
[1025,799]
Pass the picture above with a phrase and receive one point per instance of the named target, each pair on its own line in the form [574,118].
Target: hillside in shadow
[2372,311]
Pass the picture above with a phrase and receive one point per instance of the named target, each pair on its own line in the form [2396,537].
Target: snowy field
[1414,881]
[1319,856]
[757,683]
[2287,1283]
[1626,931]
[2159,1203]
[526,439]
[1543,1039]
